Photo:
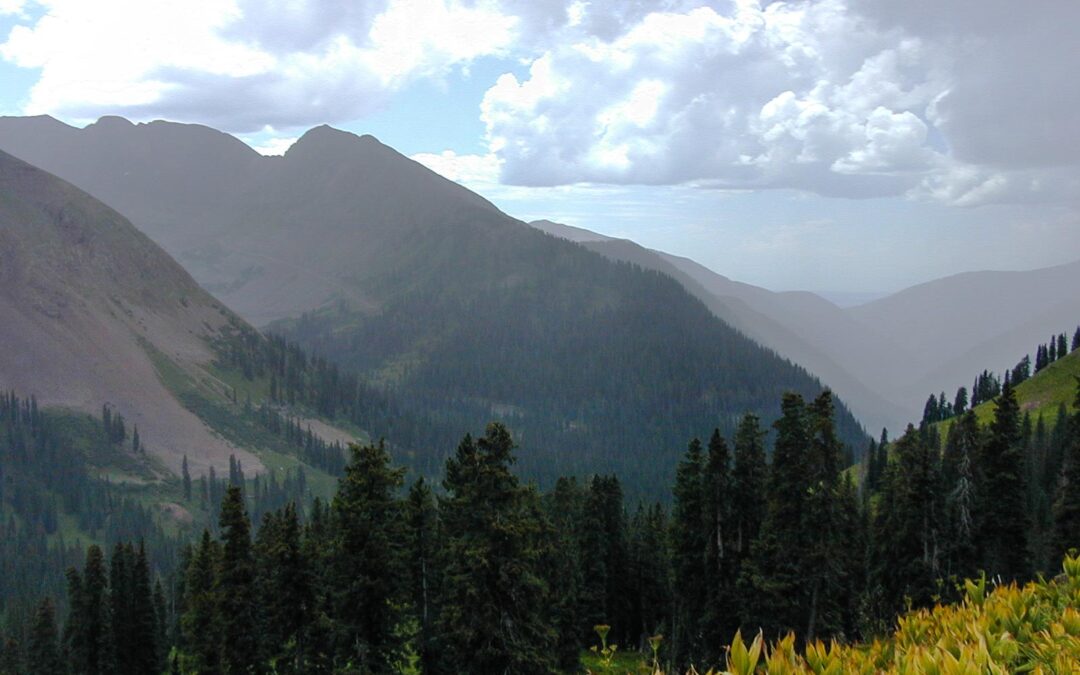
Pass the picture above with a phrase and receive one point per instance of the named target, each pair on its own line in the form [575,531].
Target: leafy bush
[1011,629]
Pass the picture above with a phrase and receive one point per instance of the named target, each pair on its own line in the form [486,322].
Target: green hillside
[1041,394]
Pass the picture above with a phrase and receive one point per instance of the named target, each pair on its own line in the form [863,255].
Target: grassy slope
[1041,394]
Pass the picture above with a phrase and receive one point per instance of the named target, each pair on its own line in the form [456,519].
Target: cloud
[757,97]
[241,64]
[966,102]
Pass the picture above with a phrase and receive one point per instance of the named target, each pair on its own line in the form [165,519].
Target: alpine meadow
[486,337]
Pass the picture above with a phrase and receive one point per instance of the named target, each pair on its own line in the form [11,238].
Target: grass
[205,398]
[1041,394]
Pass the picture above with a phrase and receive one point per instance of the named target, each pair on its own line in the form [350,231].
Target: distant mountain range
[884,357]
[430,291]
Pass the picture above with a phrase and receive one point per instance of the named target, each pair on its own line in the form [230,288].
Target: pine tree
[961,486]
[44,654]
[825,575]
[87,632]
[422,548]
[688,535]
[201,621]
[908,525]
[564,577]
[604,595]
[284,589]
[236,586]
[367,564]
[1004,528]
[961,401]
[1067,503]
[120,603]
[774,572]
[1076,339]
[1062,349]
[143,652]
[720,618]
[492,617]
[186,479]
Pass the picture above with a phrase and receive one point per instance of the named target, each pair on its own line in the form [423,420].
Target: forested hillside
[486,573]
[428,292]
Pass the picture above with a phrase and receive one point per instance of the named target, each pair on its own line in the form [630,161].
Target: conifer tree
[88,635]
[367,565]
[186,477]
[492,615]
[422,548]
[749,477]
[908,526]
[720,618]
[689,543]
[201,621]
[44,652]
[283,585]
[1062,346]
[1076,339]
[604,595]
[1067,503]
[651,557]
[120,604]
[774,572]
[961,401]
[1004,526]
[961,486]
[825,572]
[236,586]
[564,576]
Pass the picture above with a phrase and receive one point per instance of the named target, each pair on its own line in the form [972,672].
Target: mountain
[886,356]
[960,325]
[800,326]
[430,291]
[90,308]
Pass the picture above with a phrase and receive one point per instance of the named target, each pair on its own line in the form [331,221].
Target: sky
[855,146]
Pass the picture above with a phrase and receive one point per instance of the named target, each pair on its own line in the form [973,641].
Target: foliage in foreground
[1011,629]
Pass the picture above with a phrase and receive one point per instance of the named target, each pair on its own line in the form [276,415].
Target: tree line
[987,385]
[486,574]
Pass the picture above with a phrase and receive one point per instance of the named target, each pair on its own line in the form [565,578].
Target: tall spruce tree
[688,536]
[961,487]
[826,575]
[604,595]
[564,576]
[284,589]
[1004,525]
[908,525]
[720,618]
[749,478]
[201,620]
[422,549]
[44,652]
[1067,504]
[88,631]
[774,572]
[367,559]
[493,610]
[236,586]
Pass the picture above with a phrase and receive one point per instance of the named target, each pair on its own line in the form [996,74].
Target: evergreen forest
[482,572]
